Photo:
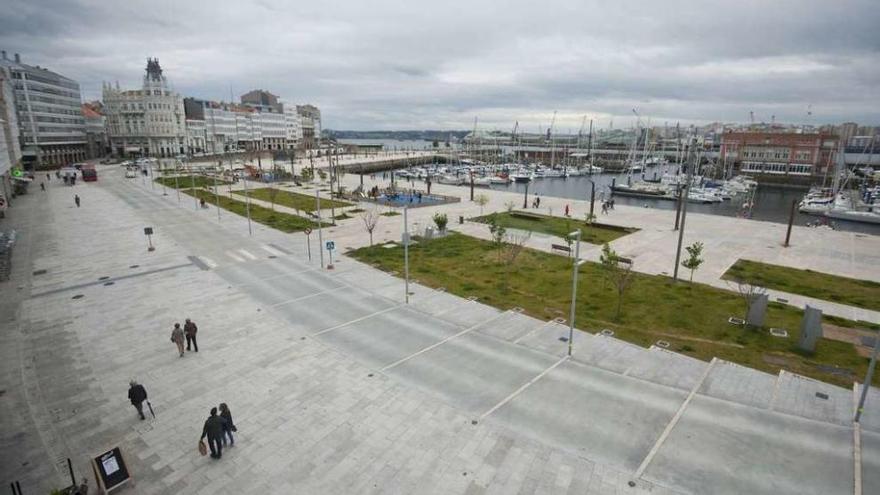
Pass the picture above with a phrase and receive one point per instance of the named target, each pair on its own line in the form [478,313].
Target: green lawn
[186,181]
[284,222]
[293,200]
[559,227]
[860,293]
[692,317]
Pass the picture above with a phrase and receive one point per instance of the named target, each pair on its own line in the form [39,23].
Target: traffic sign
[148,230]
[307,231]
[330,245]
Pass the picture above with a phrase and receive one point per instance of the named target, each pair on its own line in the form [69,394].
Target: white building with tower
[149,121]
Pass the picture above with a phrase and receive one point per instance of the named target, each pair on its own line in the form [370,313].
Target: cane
[151,409]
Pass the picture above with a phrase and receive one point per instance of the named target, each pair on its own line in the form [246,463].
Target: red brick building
[780,153]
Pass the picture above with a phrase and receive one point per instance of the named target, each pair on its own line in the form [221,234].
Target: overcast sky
[409,64]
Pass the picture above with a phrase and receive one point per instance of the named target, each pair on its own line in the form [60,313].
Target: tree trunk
[371,239]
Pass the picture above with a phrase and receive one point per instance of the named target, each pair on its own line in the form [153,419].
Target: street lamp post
[217,196]
[685,193]
[247,203]
[526,197]
[868,378]
[320,233]
[406,255]
[576,264]
[195,198]
[592,196]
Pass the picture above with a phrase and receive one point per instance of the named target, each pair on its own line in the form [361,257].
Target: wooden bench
[560,247]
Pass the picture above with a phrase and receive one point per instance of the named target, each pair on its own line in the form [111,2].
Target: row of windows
[51,91]
[54,82]
[141,106]
[54,139]
[776,168]
[46,109]
[60,120]
[49,99]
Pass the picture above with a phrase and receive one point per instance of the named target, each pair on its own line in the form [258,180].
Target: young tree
[370,217]
[617,271]
[509,206]
[748,292]
[498,232]
[512,246]
[441,220]
[482,200]
[694,260]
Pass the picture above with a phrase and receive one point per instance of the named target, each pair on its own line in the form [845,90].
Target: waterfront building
[49,124]
[147,121]
[259,122]
[780,153]
[310,125]
[97,144]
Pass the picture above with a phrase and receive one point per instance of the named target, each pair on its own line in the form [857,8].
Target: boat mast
[552,141]
[590,146]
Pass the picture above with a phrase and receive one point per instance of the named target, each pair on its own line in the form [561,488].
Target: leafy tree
[694,260]
[749,293]
[441,220]
[498,232]
[619,272]
[509,206]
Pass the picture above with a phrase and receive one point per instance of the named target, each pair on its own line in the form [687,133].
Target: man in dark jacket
[190,329]
[137,394]
[213,429]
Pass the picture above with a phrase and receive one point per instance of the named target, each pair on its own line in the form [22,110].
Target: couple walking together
[189,331]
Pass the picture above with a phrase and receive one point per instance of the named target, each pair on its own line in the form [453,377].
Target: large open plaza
[339,385]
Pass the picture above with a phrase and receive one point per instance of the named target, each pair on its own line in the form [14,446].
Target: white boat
[499,180]
[482,181]
[522,176]
[450,180]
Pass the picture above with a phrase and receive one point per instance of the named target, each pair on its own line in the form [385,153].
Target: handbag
[203,449]
[233,428]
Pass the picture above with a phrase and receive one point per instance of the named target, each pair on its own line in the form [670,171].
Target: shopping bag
[203,449]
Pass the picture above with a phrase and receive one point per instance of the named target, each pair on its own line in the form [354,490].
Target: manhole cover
[39,272]
[134,266]
[663,344]
[272,256]
[109,283]
[781,299]
[78,296]
[103,278]
[736,321]
[607,333]
[563,339]
[822,396]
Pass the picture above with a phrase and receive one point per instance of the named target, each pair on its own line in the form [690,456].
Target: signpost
[110,470]
[330,247]
[148,231]
[308,232]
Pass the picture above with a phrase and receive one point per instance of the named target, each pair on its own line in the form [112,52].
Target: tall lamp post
[320,233]
[526,197]
[576,264]
[406,254]
[868,378]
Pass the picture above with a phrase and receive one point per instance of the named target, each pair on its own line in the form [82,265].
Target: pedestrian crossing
[217,258]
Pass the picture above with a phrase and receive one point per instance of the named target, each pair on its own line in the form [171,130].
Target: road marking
[377,313]
[522,388]
[247,254]
[208,261]
[310,295]
[271,250]
[234,256]
[437,344]
[532,332]
[673,422]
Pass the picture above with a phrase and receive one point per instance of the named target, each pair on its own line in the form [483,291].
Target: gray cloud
[386,64]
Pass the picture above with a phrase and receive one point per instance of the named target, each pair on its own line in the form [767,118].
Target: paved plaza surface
[338,386]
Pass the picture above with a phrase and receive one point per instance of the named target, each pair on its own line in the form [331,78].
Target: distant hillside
[427,135]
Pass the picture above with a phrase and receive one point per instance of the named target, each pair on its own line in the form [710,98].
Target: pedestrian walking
[137,394]
[213,429]
[177,338]
[48,177]
[566,210]
[76,199]
[190,329]
[604,208]
[43,186]
[229,426]
[537,201]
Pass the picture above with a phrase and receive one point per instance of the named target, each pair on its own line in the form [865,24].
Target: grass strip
[284,222]
[557,226]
